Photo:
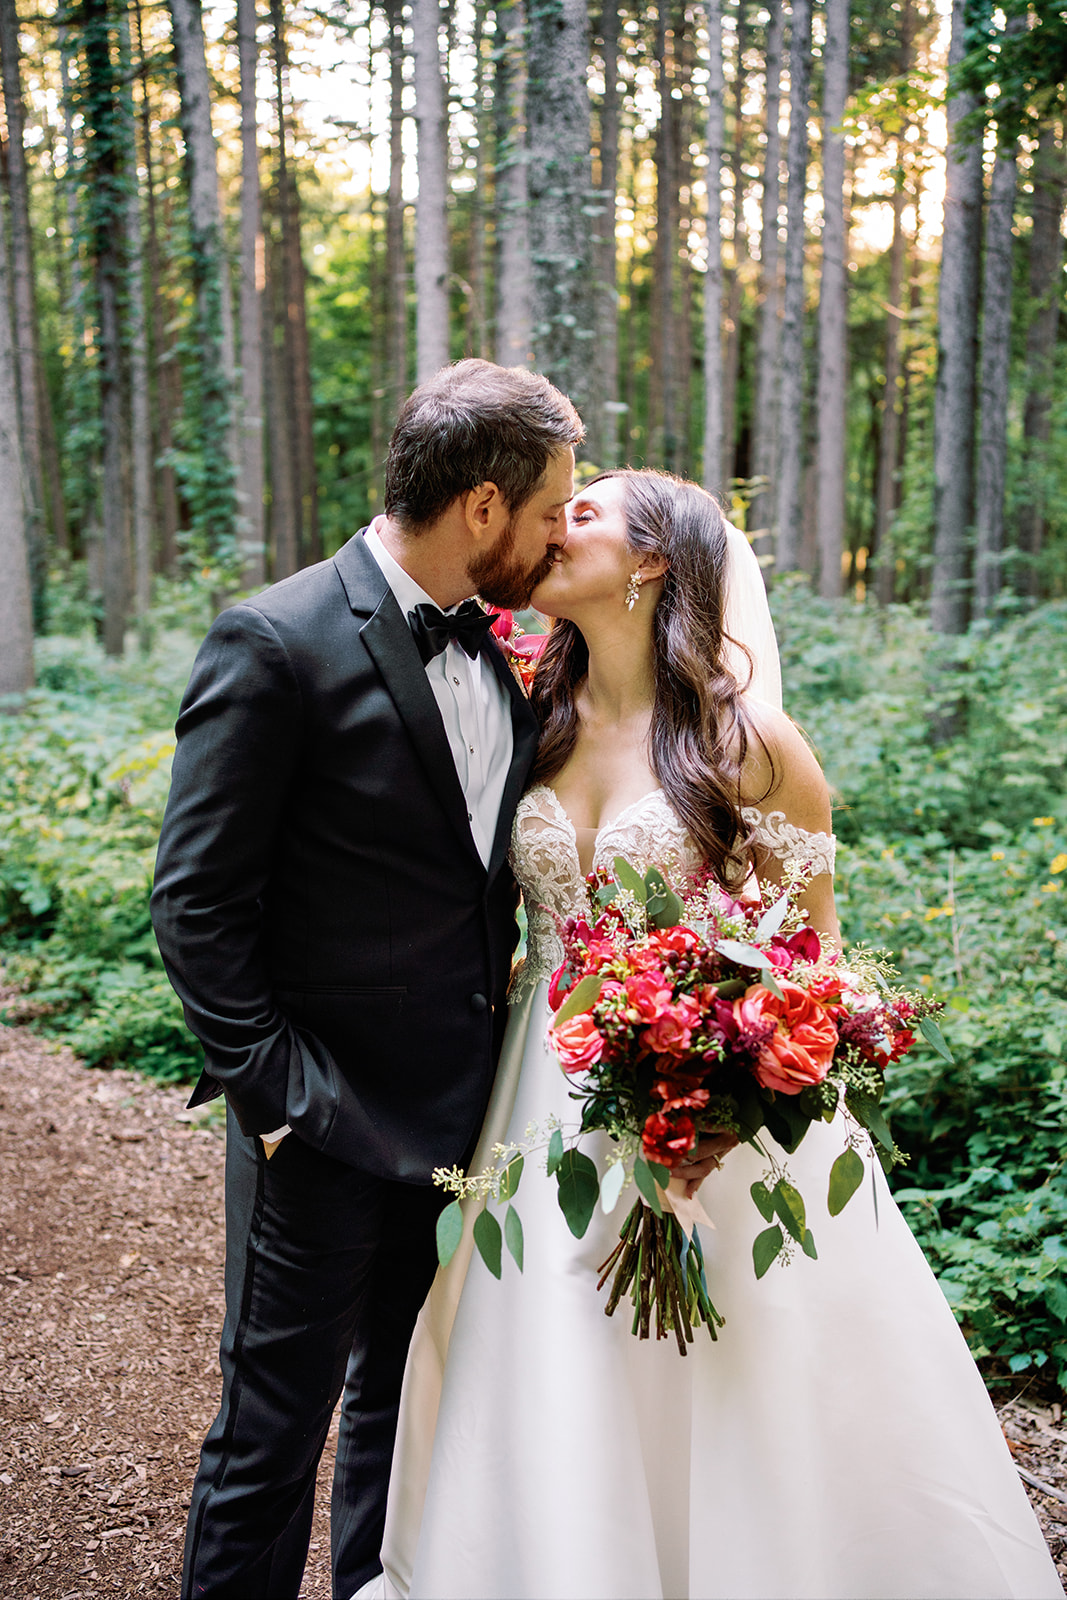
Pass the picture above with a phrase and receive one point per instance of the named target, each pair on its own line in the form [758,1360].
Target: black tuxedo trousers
[342,953]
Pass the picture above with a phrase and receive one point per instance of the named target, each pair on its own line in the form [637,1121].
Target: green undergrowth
[953,857]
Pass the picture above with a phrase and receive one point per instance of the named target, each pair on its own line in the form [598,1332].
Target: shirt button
[456,682]
[470,816]
[470,747]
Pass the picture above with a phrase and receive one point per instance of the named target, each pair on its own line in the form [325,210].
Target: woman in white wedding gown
[837,1440]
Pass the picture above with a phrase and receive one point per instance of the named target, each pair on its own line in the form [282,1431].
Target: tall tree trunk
[250,312]
[217,508]
[830,465]
[957,338]
[993,380]
[791,391]
[1049,178]
[104,175]
[732,357]
[560,181]
[396,260]
[605,449]
[686,133]
[297,348]
[16,606]
[140,424]
[23,302]
[713,279]
[431,209]
[763,509]
[163,356]
[663,419]
[514,333]
[284,505]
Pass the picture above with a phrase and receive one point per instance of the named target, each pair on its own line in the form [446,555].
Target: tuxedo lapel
[388,640]
[524,747]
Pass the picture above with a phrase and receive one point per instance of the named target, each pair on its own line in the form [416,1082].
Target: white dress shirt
[476,712]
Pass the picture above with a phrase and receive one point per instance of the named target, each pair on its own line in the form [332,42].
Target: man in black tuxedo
[335,910]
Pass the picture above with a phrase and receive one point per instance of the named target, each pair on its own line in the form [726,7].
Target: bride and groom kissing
[359,783]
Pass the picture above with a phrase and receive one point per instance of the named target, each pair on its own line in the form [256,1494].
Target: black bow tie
[432,629]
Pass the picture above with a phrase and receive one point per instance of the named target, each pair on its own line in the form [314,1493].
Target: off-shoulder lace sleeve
[790,844]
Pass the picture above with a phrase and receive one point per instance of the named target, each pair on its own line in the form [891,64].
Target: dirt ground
[111,1248]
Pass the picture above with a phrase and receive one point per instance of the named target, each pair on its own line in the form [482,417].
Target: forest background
[811,255]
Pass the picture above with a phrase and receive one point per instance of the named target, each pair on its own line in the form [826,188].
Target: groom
[334,908]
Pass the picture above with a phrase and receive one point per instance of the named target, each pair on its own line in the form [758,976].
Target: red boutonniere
[521,650]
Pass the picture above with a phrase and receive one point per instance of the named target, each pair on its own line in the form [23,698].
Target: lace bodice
[544,858]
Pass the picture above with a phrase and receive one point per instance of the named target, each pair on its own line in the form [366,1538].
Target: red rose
[578,1042]
[560,985]
[667,1139]
[801,1048]
[679,939]
[672,1031]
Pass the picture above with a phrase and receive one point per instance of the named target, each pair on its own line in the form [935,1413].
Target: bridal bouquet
[674,1019]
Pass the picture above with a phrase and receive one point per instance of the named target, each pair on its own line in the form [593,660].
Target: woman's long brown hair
[700,731]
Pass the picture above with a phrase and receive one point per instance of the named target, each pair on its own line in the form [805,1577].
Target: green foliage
[83,781]
[954,858]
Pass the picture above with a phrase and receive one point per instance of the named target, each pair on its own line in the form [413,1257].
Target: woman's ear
[653,566]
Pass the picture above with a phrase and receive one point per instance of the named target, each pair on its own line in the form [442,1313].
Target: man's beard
[500,579]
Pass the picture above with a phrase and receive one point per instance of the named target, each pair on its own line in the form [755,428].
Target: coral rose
[578,1042]
[648,996]
[668,1139]
[801,1048]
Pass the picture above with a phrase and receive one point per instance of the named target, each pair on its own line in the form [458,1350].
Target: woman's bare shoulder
[781,771]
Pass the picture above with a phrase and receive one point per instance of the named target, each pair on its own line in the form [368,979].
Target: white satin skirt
[835,1443]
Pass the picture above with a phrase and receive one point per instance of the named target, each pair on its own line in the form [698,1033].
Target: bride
[837,1440]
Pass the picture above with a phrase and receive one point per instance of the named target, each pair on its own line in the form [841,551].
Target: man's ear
[484,511]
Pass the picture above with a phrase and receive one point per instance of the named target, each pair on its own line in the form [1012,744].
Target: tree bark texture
[23,300]
[833,290]
[732,356]
[560,183]
[16,607]
[396,260]
[993,381]
[210,271]
[251,529]
[140,417]
[431,209]
[957,338]
[514,334]
[295,329]
[603,420]
[663,419]
[791,389]
[713,278]
[1046,268]
[762,516]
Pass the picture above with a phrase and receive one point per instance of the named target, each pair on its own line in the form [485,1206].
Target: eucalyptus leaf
[555,1151]
[487,1238]
[765,1247]
[513,1235]
[579,1190]
[606,894]
[732,988]
[611,1187]
[772,918]
[664,907]
[846,1175]
[509,1178]
[769,981]
[935,1038]
[789,1207]
[585,993]
[630,879]
[647,1185]
[764,1201]
[449,1232]
[808,1245]
[746,955]
[661,1174]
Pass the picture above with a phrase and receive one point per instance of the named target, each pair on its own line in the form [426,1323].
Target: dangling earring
[633,589]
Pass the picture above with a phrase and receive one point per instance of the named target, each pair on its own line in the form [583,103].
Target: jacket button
[479,1002]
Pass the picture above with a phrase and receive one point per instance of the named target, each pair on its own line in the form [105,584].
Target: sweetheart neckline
[606,827]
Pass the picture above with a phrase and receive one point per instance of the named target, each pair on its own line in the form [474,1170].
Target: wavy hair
[700,732]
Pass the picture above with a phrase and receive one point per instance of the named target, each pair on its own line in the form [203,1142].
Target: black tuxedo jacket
[323,913]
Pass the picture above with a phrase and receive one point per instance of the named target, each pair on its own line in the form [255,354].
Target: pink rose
[578,1042]
[648,996]
[672,1031]
[801,1048]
